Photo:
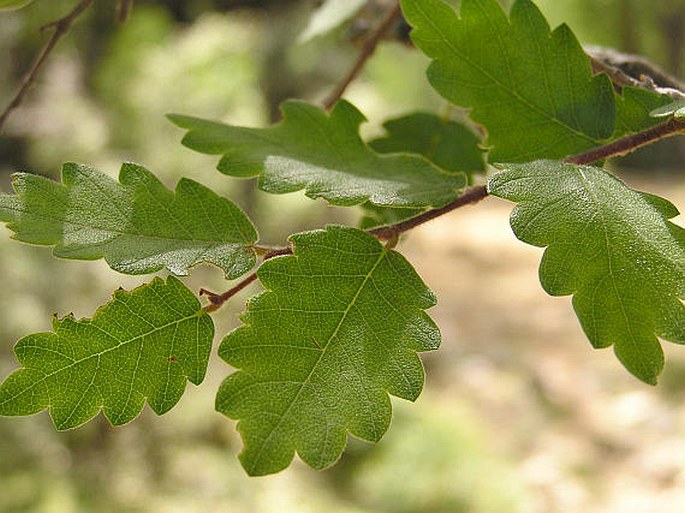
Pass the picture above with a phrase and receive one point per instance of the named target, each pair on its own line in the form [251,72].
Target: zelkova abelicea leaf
[324,155]
[337,331]
[613,248]
[138,225]
[143,345]
[532,89]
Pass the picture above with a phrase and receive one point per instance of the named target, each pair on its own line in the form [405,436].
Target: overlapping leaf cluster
[342,319]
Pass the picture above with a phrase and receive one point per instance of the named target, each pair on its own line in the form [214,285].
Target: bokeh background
[519,414]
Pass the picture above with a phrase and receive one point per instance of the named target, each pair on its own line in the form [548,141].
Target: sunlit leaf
[676,109]
[336,332]
[142,346]
[613,248]
[138,225]
[532,89]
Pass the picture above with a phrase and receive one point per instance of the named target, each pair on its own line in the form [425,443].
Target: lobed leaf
[337,331]
[324,155]
[141,346]
[532,89]
[137,225]
[613,248]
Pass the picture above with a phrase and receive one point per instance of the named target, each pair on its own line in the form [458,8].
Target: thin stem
[471,196]
[123,10]
[630,143]
[217,300]
[61,27]
[388,233]
[366,51]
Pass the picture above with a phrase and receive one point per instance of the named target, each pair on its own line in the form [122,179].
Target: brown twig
[61,27]
[123,10]
[217,300]
[630,143]
[388,232]
[368,47]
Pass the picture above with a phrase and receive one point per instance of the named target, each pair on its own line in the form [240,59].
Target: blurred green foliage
[102,100]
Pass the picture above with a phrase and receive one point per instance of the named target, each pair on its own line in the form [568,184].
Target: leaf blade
[316,358]
[324,155]
[613,248]
[140,347]
[486,61]
[136,224]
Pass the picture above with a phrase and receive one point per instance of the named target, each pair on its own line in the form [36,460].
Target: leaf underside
[137,225]
[613,248]
[324,155]
[142,346]
[336,331]
[532,89]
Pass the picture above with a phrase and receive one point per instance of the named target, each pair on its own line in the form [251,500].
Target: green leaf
[137,225]
[675,108]
[448,144]
[324,155]
[143,345]
[337,330]
[613,248]
[380,216]
[635,110]
[532,89]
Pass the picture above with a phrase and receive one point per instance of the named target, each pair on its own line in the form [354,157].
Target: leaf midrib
[383,253]
[120,344]
[120,232]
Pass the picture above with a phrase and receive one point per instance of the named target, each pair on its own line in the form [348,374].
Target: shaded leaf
[532,89]
[337,331]
[324,155]
[448,144]
[613,248]
[137,225]
[380,216]
[142,346]
[635,108]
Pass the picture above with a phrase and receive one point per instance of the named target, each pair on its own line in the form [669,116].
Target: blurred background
[519,414]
